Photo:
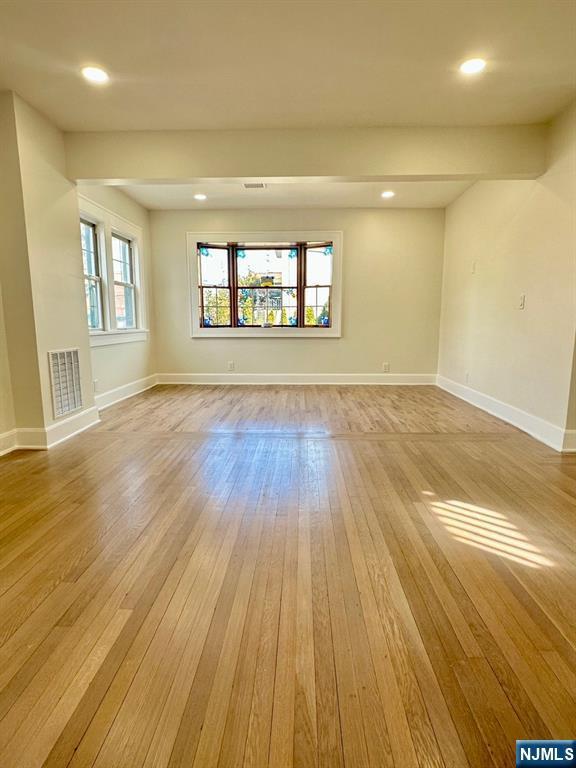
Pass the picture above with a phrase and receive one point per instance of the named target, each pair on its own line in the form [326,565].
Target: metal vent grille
[254,185]
[65,378]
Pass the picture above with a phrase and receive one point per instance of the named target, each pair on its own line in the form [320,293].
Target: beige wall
[53,238]
[20,380]
[119,364]
[7,416]
[506,151]
[571,419]
[519,237]
[392,267]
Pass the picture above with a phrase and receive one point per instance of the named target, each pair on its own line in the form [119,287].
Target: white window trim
[108,223]
[198,332]
[120,336]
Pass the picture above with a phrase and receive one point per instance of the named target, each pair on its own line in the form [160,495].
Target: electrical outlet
[385,367]
[230,365]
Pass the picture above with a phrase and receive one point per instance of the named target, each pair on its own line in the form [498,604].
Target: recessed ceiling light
[472,66]
[388,193]
[200,196]
[95,75]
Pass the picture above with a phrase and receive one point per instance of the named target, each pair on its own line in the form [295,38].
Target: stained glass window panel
[266,267]
[216,307]
[317,307]
[213,266]
[281,284]
[319,266]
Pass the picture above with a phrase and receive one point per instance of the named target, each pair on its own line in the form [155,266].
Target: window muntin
[273,285]
[124,282]
[92,275]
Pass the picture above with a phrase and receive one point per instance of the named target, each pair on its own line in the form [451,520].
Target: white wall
[392,267]
[119,364]
[504,239]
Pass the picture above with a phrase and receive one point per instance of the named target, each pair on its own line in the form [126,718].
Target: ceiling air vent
[254,185]
[65,378]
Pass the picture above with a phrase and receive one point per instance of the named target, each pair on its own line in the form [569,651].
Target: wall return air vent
[65,378]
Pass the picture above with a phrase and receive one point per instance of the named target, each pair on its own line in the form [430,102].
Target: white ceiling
[289,63]
[409,194]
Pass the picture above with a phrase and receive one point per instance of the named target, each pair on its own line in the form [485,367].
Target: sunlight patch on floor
[489,531]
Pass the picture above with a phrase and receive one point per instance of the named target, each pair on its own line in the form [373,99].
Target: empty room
[287,383]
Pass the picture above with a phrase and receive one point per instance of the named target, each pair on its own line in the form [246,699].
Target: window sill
[266,333]
[108,338]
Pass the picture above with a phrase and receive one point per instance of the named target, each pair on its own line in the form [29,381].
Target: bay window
[265,285]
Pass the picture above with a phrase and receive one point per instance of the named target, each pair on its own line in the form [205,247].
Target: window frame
[195,240]
[97,277]
[129,242]
[109,223]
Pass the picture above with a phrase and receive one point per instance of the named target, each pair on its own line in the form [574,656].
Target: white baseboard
[569,441]
[542,430]
[41,438]
[105,399]
[8,442]
[296,378]
[31,439]
[63,430]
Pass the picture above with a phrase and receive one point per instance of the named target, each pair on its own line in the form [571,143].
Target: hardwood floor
[287,576]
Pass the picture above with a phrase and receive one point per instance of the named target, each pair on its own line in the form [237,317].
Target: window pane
[89,248]
[317,308]
[209,296]
[319,265]
[92,290]
[216,307]
[324,315]
[122,260]
[288,316]
[259,316]
[213,266]
[246,306]
[322,296]
[223,315]
[267,306]
[310,297]
[267,266]
[310,316]
[289,297]
[124,303]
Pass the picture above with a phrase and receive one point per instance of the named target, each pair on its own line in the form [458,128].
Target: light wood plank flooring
[286,576]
